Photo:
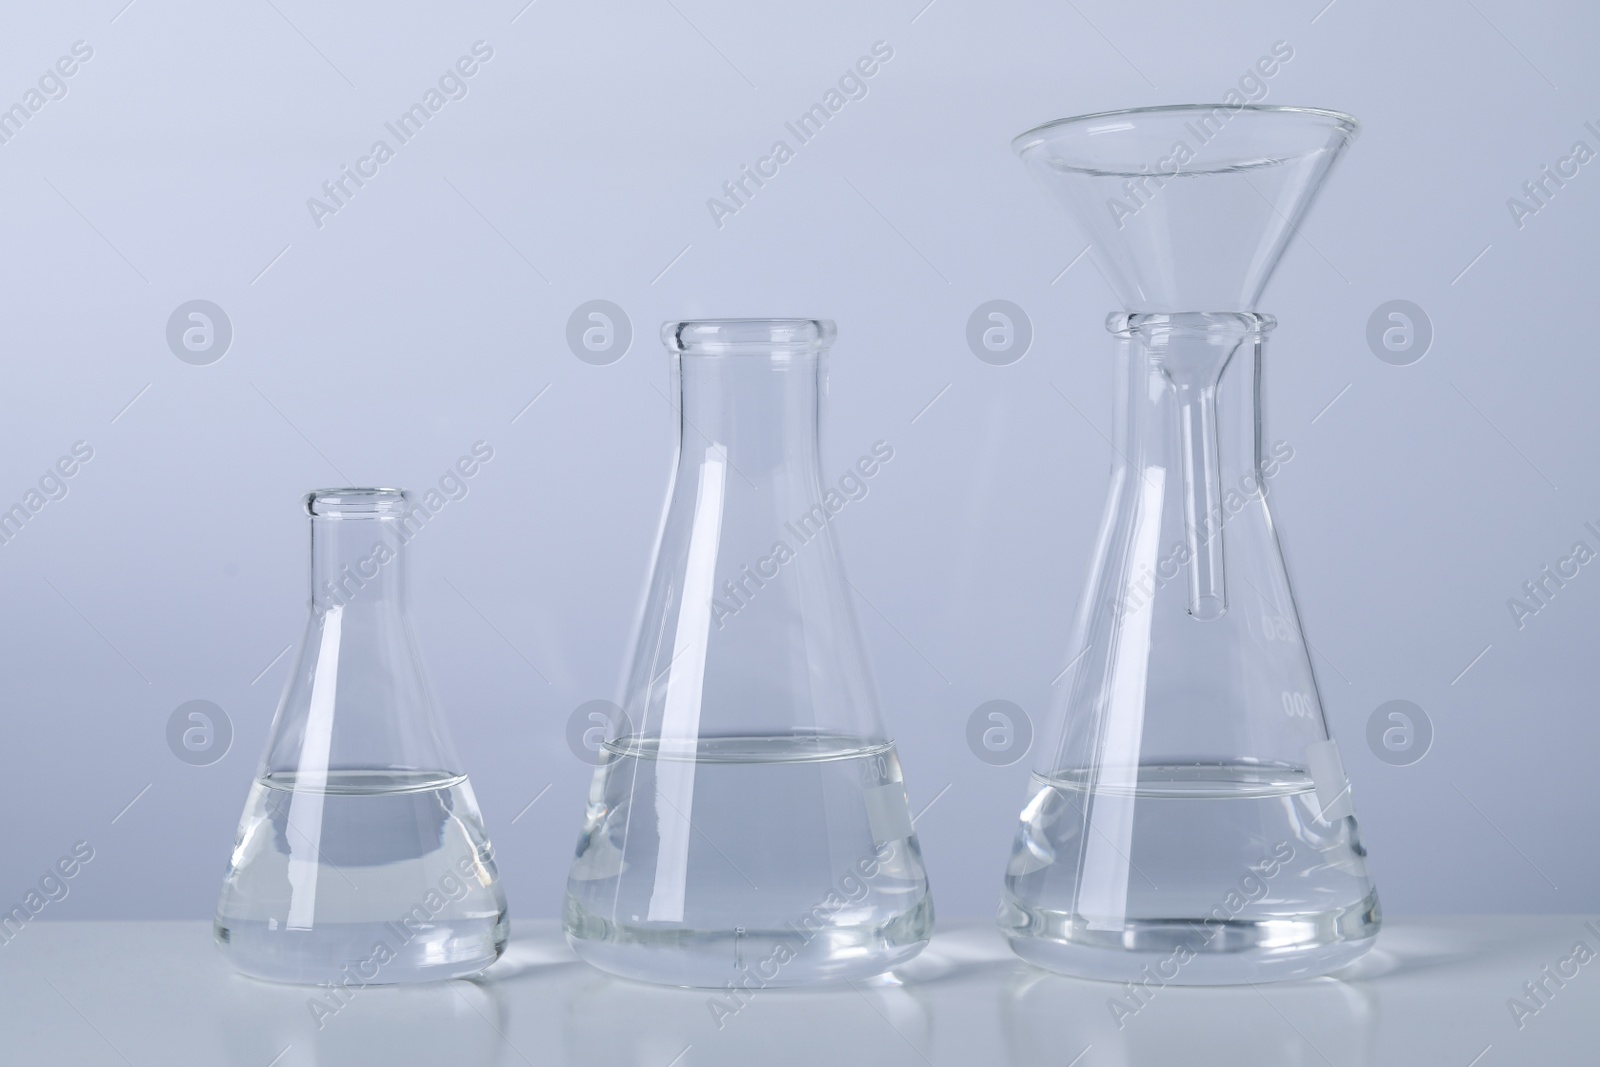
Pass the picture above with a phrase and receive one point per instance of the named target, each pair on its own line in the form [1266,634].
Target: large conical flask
[361,857]
[749,828]
[1191,822]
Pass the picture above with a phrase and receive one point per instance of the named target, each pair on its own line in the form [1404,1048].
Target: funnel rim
[1030,138]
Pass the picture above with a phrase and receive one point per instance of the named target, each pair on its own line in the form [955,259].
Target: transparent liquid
[1189,875]
[373,877]
[762,861]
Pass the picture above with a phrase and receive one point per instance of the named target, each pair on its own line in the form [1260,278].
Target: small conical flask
[750,827]
[361,857]
[1191,823]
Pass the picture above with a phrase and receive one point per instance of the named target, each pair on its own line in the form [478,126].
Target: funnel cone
[1188,208]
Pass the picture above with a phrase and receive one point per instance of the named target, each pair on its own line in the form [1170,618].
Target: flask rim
[357,502]
[1150,324]
[747,337]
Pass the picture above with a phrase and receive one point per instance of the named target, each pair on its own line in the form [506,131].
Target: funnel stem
[1202,499]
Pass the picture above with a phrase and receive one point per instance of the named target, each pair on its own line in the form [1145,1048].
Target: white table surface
[1434,992]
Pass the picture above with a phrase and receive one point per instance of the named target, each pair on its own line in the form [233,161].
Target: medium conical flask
[750,828]
[1191,823]
[361,857]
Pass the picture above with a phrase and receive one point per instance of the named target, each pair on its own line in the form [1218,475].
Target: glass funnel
[1191,822]
[361,857]
[751,827]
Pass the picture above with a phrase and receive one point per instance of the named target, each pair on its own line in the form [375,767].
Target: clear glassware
[361,856]
[1191,823]
[751,826]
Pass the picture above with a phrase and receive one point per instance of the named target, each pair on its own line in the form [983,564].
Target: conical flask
[1191,823]
[361,857]
[750,828]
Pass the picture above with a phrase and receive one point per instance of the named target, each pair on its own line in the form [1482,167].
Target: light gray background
[427,314]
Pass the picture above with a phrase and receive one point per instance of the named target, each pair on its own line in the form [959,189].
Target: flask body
[751,825]
[1191,815]
[361,856]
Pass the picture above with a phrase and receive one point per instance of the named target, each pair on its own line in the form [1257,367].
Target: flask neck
[1188,385]
[758,414]
[358,698]
[358,565]
[748,630]
[1190,421]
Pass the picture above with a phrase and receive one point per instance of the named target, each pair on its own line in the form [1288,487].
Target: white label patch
[1333,788]
[888,814]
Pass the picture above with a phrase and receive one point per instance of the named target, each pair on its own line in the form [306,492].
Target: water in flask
[320,877]
[1223,862]
[790,858]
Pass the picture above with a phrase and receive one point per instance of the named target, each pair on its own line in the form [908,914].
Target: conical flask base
[372,877]
[758,861]
[1196,875]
